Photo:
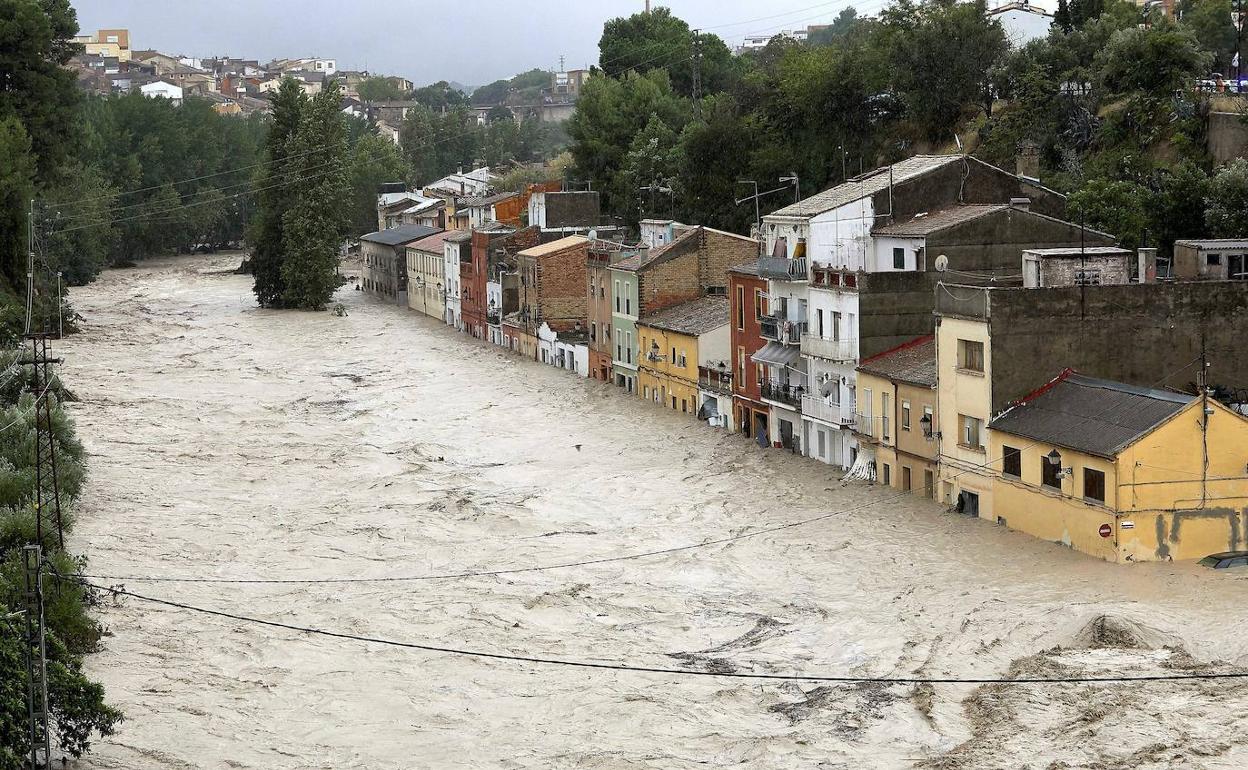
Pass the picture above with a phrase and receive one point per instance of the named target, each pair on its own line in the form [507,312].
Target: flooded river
[231,442]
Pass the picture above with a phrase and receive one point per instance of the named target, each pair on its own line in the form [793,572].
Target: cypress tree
[275,183]
[1062,17]
[314,227]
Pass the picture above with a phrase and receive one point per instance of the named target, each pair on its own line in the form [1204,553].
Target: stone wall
[1141,334]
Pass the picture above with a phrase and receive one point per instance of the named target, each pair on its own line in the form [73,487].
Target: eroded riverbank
[228,441]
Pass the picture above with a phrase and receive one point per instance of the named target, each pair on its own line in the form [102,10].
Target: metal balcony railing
[716,383]
[819,408]
[781,269]
[780,330]
[864,425]
[785,394]
[833,350]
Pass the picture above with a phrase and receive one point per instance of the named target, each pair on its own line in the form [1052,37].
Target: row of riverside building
[936,326]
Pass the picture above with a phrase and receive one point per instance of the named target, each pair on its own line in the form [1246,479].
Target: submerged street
[231,442]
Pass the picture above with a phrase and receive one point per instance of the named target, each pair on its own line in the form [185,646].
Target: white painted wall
[453,303]
[162,90]
[715,346]
[882,258]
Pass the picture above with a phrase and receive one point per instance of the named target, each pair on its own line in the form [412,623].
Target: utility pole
[697,73]
[1239,48]
[36,660]
[47,485]
[797,186]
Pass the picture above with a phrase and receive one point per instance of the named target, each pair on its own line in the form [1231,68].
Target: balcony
[818,408]
[493,318]
[864,425]
[844,350]
[781,269]
[716,382]
[784,394]
[780,330]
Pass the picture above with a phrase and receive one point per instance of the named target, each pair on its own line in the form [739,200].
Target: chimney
[1027,162]
[1146,265]
[1022,204]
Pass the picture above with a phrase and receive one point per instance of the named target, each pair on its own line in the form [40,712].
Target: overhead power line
[667,671]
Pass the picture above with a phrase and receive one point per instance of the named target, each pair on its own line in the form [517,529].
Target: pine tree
[275,183]
[1062,17]
[314,227]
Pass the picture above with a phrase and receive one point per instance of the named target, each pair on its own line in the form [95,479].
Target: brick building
[747,293]
[552,287]
[495,285]
[693,265]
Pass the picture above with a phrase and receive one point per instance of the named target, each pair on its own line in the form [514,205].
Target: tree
[658,40]
[1178,205]
[1226,211]
[275,195]
[17,180]
[375,160]
[314,226]
[652,162]
[941,63]
[439,96]
[379,90]
[1211,22]
[36,40]
[1156,60]
[1061,18]
[1116,207]
[845,24]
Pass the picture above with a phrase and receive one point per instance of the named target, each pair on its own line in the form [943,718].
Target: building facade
[552,287]
[747,294]
[426,279]
[458,248]
[897,405]
[678,345]
[1121,472]
[385,261]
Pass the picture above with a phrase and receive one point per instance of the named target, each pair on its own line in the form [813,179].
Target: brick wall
[745,333]
[559,297]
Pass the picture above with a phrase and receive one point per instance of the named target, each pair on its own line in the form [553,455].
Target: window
[1012,462]
[819,322]
[888,475]
[593,331]
[899,259]
[905,415]
[673,358]
[740,308]
[673,403]
[617,296]
[684,405]
[740,368]
[884,415]
[1049,474]
[619,348]
[683,361]
[1213,259]
[628,350]
[971,429]
[758,304]
[970,355]
[1088,277]
[1093,485]
[836,325]
[628,301]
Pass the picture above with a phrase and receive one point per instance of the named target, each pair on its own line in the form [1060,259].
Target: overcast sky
[474,42]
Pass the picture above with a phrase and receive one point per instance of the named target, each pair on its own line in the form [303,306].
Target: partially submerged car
[1225,560]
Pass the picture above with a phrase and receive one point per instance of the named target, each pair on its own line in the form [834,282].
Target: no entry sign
[1106,530]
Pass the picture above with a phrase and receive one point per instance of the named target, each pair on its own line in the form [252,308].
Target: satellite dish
[593,235]
[942,263]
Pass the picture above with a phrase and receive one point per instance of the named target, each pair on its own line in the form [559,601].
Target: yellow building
[896,415]
[107,42]
[675,345]
[1121,472]
[964,374]
[426,274]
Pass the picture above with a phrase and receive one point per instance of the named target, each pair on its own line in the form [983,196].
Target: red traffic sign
[1106,530]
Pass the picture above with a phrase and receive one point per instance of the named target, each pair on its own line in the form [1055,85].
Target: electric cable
[667,671]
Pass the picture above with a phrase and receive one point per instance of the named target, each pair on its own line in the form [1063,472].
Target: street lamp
[926,425]
[1055,459]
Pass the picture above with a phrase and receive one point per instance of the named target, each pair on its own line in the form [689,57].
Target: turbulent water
[232,442]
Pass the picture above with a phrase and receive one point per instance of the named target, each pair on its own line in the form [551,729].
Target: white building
[494,310]
[162,90]
[818,247]
[1023,21]
[456,246]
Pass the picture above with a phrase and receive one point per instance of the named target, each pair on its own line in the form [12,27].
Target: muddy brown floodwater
[232,442]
